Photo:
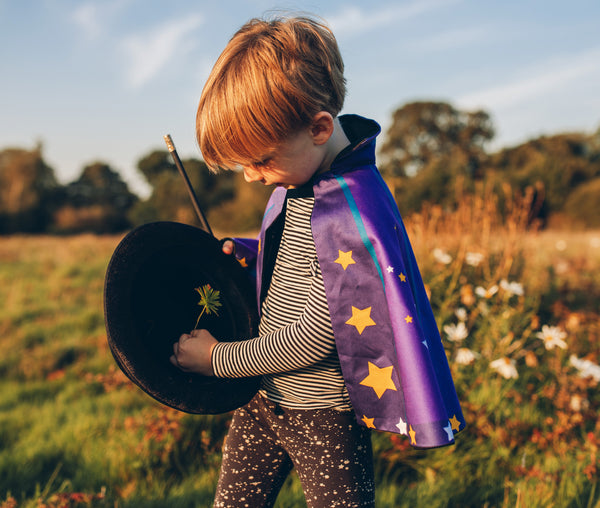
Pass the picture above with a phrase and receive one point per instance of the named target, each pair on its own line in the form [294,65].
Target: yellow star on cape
[361,319]
[402,277]
[368,422]
[455,423]
[243,262]
[380,379]
[412,435]
[259,244]
[408,319]
[345,259]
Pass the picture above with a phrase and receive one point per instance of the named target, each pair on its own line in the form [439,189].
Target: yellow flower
[209,300]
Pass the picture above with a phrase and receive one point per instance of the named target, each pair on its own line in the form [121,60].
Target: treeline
[434,153]
[431,153]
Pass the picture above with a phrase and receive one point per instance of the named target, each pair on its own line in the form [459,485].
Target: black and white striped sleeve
[298,344]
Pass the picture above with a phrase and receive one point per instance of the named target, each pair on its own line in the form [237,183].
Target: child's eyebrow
[263,161]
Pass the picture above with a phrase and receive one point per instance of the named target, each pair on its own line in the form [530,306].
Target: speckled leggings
[331,453]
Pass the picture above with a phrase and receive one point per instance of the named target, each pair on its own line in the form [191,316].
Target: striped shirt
[295,351]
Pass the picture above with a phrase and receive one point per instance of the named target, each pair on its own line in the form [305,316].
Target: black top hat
[150,300]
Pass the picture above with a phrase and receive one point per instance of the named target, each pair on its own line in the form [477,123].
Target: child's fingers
[228,247]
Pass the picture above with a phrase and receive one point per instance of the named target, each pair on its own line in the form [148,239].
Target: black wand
[190,189]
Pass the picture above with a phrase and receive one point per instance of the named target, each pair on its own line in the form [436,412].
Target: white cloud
[451,39]
[86,17]
[92,17]
[149,53]
[354,21]
[548,77]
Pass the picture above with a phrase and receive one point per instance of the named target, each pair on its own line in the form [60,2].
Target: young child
[347,339]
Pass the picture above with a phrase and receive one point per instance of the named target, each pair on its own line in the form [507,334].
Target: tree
[424,131]
[28,191]
[244,212]
[169,199]
[583,204]
[154,164]
[561,163]
[98,201]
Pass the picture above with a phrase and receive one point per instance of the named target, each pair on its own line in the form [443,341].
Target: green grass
[75,432]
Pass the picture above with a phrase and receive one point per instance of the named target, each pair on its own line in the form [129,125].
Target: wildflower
[473,258]
[586,368]
[456,333]
[441,256]
[531,360]
[505,367]
[467,297]
[464,356]
[512,288]
[486,293]
[562,267]
[578,403]
[561,245]
[461,314]
[574,320]
[209,300]
[552,337]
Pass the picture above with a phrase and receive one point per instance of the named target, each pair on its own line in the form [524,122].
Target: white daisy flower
[464,356]
[473,258]
[486,293]
[552,337]
[512,288]
[578,403]
[505,367]
[586,368]
[461,314]
[442,256]
[456,333]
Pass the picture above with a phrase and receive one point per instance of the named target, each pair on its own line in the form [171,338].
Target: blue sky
[105,80]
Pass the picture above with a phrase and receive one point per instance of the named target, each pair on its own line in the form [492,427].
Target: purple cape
[390,350]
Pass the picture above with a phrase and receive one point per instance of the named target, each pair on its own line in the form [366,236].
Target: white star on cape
[402,427]
[448,430]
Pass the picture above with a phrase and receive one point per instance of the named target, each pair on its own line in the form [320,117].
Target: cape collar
[362,133]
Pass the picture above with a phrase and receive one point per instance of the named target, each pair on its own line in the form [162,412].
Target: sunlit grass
[74,430]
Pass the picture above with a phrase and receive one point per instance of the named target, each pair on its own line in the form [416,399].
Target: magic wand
[190,189]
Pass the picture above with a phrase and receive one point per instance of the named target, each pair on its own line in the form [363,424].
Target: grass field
[519,315]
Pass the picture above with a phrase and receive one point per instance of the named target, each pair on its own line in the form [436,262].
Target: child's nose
[251,175]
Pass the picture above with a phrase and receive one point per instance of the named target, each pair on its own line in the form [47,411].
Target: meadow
[518,311]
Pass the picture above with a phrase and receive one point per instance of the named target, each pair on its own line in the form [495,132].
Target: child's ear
[321,128]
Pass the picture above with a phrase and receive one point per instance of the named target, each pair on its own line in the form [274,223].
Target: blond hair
[270,81]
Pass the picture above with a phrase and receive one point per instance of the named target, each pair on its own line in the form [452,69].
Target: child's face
[293,164]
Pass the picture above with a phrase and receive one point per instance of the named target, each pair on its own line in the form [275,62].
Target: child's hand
[192,353]
[228,246]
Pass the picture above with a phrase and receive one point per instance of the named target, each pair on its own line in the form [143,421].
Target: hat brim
[150,301]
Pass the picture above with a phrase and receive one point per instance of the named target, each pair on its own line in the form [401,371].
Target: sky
[105,80]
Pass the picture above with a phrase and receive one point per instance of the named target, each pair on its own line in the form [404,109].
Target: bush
[583,204]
